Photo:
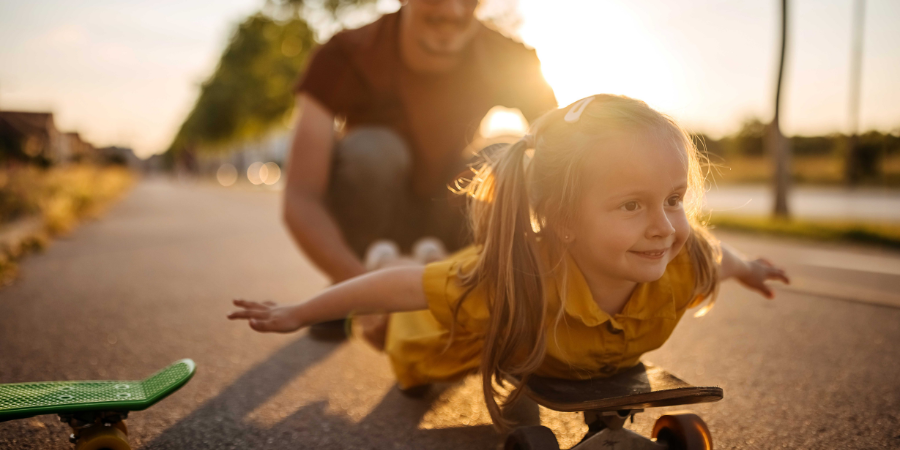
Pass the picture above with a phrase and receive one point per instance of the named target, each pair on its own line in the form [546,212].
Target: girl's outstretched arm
[751,273]
[387,290]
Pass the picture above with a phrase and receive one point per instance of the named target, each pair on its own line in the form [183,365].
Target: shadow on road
[221,422]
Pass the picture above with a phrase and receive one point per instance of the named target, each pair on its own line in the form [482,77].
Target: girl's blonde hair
[511,207]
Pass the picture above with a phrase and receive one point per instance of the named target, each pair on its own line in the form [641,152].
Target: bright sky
[127,73]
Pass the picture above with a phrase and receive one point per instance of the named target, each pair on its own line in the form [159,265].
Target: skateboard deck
[642,386]
[21,400]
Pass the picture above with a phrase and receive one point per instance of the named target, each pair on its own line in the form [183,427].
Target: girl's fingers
[270,303]
[249,304]
[778,274]
[249,314]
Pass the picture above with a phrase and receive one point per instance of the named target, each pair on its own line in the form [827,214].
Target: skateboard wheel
[682,430]
[102,438]
[531,438]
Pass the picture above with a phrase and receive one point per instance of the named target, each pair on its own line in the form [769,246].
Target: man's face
[441,27]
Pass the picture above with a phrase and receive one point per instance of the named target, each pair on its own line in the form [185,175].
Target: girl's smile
[652,254]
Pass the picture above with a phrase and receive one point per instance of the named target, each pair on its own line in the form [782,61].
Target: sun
[590,47]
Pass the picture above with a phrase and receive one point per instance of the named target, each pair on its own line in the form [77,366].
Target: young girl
[588,249]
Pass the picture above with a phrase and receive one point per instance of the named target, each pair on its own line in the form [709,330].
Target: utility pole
[853,164]
[776,144]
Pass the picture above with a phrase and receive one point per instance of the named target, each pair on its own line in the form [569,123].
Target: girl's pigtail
[509,271]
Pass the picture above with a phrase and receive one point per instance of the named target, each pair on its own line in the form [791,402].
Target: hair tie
[529,141]
[577,108]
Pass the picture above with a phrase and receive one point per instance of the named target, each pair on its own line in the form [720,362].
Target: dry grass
[879,234]
[58,198]
[818,170]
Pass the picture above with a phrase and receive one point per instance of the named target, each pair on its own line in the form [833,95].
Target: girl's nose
[660,225]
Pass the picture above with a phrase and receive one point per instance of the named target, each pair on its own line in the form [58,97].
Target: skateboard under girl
[95,410]
[608,402]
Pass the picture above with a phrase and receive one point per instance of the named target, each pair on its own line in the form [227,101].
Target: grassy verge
[805,170]
[55,200]
[879,234]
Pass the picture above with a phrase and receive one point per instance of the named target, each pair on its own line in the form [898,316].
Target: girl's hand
[758,272]
[267,317]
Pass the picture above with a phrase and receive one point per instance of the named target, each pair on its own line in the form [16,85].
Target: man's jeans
[370,196]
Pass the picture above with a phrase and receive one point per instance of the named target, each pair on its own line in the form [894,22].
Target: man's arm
[305,214]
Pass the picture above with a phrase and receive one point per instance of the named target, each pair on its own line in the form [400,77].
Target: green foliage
[816,145]
[748,142]
[251,90]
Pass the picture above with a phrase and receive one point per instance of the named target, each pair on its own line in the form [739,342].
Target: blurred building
[123,156]
[77,149]
[31,136]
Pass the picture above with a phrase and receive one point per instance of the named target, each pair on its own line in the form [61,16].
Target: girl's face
[631,220]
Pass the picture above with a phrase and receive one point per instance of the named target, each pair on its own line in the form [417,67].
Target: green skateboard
[96,410]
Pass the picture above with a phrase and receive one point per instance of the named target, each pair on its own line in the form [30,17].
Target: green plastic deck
[21,400]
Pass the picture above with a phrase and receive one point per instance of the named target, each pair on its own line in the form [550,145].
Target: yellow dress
[586,343]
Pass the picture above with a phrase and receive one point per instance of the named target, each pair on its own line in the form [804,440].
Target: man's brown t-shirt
[358,75]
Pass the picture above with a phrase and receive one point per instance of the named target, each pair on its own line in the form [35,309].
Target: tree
[251,90]
[776,145]
[858,163]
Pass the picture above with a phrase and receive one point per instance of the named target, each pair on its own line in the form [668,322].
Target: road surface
[151,282]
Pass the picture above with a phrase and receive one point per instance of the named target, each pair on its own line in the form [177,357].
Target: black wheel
[683,430]
[531,438]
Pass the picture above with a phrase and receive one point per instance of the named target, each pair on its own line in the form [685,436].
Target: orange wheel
[683,430]
[122,427]
[102,438]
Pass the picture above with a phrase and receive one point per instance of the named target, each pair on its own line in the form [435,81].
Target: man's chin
[441,50]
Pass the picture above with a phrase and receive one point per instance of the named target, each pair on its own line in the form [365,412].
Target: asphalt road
[151,282]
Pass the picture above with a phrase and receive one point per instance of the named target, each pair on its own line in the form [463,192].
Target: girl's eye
[673,201]
[630,206]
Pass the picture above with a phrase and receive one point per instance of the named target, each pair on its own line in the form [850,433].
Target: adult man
[411,88]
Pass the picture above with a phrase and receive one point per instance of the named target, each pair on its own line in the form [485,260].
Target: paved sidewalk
[151,282]
[842,271]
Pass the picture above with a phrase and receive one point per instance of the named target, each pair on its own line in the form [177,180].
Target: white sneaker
[428,250]
[380,253]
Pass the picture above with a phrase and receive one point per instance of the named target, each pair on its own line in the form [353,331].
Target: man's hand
[757,272]
[267,317]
